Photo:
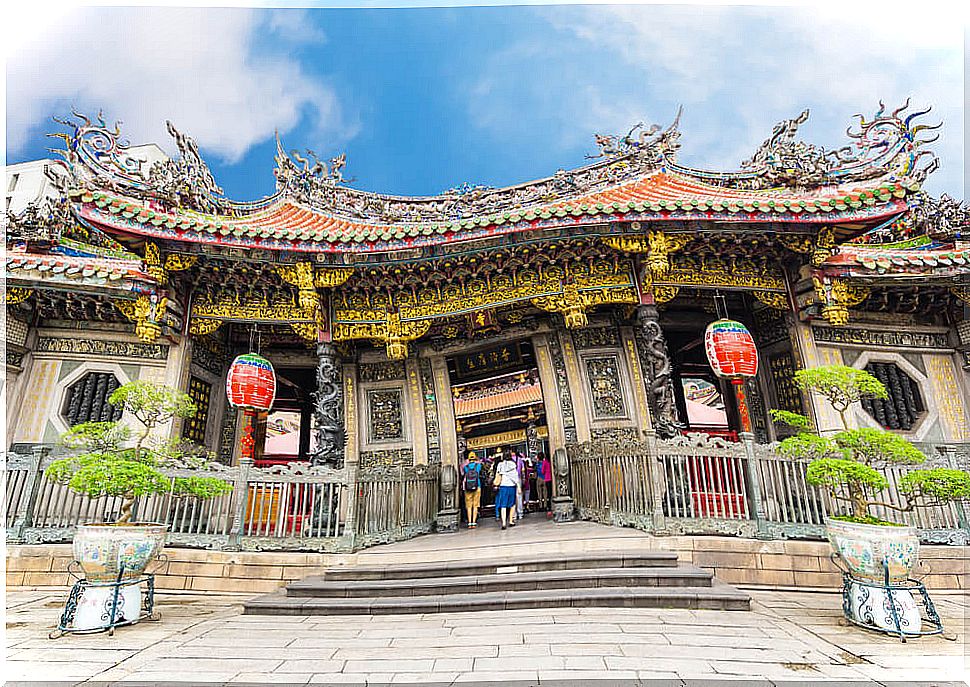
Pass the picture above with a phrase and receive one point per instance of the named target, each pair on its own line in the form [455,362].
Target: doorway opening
[499,409]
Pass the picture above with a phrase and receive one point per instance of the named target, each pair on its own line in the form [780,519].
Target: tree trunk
[125,516]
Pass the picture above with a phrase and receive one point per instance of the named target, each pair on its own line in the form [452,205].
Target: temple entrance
[499,409]
[285,433]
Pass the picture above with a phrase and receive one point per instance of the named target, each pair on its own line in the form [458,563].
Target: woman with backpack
[472,486]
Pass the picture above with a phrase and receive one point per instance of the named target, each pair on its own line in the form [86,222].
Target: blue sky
[423,100]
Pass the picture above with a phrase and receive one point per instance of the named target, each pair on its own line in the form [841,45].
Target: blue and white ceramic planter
[864,548]
[101,549]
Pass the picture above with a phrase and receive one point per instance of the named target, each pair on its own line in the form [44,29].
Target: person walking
[472,486]
[507,482]
[544,482]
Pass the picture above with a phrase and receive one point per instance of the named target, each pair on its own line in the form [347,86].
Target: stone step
[634,577]
[716,597]
[512,564]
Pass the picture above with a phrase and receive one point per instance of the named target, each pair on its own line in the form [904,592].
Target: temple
[406,331]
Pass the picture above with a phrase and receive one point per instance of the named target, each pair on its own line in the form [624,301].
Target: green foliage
[104,474]
[152,403]
[786,417]
[836,472]
[841,385]
[96,436]
[808,446]
[877,447]
[939,484]
[848,463]
[201,487]
[104,466]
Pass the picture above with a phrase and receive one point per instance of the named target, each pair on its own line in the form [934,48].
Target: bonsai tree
[105,465]
[850,463]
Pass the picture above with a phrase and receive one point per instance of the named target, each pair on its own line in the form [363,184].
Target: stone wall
[746,562]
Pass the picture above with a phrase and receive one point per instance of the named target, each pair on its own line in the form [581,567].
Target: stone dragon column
[657,371]
[328,409]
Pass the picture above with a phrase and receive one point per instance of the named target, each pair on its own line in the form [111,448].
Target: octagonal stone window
[904,407]
[86,399]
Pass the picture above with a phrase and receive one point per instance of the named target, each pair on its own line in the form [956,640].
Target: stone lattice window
[194,427]
[87,399]
[904,407]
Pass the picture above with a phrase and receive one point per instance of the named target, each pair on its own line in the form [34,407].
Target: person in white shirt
[507,481]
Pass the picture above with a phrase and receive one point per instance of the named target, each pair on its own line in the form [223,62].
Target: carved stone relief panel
[385,415]
[603,376]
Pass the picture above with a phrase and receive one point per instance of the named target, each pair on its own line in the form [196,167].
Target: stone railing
[296,507]
[701,485]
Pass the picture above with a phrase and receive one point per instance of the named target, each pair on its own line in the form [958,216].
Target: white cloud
[197,67]
[738,70]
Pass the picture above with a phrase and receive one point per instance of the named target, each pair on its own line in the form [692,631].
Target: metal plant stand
[891,607]
[109,616]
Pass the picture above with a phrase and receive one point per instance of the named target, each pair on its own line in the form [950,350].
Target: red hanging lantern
[732,354]
[730,350]
[251,384]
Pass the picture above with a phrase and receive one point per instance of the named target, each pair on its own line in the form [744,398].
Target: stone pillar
[657,372]
[563,507]
[328,409]
[447,518]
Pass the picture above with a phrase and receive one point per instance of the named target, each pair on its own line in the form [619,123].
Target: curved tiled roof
[663,195]
[54,269]
[900,262]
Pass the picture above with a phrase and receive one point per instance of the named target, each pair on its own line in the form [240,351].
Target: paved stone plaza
[205,638]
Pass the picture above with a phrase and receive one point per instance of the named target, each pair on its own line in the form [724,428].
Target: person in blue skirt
[507,481]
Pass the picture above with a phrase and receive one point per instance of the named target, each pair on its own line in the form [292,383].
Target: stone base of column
[563,509]
[447,521]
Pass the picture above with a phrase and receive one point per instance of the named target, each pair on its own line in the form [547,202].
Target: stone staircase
[647,579]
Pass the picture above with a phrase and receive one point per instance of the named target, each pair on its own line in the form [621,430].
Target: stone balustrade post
[752,478]
[447,519]
[240,489]
[658,483]
[563,506]
[24,516]
[349,537]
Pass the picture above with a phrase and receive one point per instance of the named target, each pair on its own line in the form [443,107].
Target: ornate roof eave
[884,147]
[53,271]
[876,263]
[290,227]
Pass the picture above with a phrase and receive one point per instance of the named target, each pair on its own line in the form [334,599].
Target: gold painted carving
[392,332]
[307,330]
[715,272]
[824,246]
[301,275]
[772,299]
[446,300]
[796,243]
[177,262]
[573,303]
[636,243]
[259,310]
[145,314]
[657,245]
[661,246]
[328,278]
[16,294]
[203,327]
[662,294]
[961,292]
[837,297]
[153,262]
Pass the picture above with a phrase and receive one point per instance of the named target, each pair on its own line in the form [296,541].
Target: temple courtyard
[204,638]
